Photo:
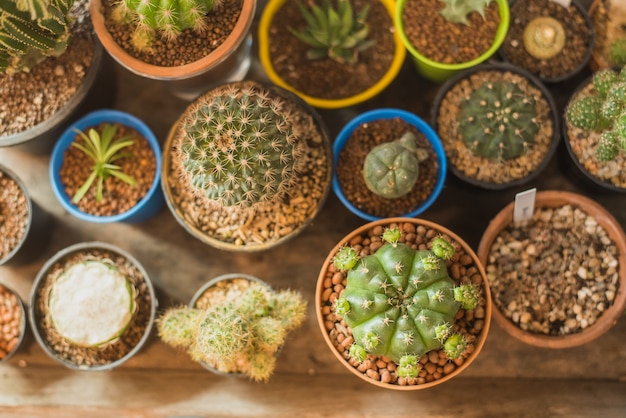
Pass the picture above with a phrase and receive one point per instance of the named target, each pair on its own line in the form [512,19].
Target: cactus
[603,111]
[334,33]
[32,30]
[239,146]
[617,52]
[401,303]
[498,121]
[456,11]
[166,17]
[236,336]
[544,37]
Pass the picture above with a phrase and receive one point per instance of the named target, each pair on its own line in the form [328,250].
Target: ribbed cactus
[239,146]
[165,17]
[391,169]
[498,121]
[335,33]
[240,336]
[31,30]
[456,11]
[401,303]
[604,111]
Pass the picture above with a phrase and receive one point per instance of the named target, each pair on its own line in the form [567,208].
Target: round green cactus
[401,303]
[498,121]
[391,169]
[239,146]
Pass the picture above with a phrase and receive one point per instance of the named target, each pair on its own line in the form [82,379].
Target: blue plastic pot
[147,207]
[390,113]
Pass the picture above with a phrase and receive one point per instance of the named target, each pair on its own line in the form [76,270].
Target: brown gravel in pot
[11,322]
[349,169]
[433,365]
[13,214]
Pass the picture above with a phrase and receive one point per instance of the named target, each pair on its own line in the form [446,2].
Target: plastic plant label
[564,3]
[524,205]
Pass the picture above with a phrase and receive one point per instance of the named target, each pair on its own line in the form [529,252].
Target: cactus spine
[401,303]
[239,146]
[498,121]
[32,30]
[456,11]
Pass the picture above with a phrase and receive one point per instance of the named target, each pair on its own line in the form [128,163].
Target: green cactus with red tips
[401,303]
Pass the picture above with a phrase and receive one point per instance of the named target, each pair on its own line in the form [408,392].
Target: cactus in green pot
[401,303]
[32,30]
[239,146]
[456,11]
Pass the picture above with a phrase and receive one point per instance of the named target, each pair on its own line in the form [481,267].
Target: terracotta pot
[363,233]
[555,199]
[228,62]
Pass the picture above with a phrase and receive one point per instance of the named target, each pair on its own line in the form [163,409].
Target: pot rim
[23,325]
[29,222]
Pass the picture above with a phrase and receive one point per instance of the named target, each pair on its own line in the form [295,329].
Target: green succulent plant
[236,336]
[603,111]
[617,52]
[165,17]
[456,11]
[239,146]
[31,30]
[401,303]
[498,121]
[335,33]
[100,146]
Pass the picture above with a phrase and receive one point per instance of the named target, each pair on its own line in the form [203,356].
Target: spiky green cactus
[391,169]
[498,121]
[603,111]
[239,146]
[401,303]
[31,30]
[456,11]
[236,336]
[165,17]
[335,33]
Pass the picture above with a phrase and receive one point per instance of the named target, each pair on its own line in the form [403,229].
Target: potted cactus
[498,125]
[412,306]
[139,35]
[246,166]
[235,325]
[609,24]
[351,42]
[595,129]
[445,40]
[49,63]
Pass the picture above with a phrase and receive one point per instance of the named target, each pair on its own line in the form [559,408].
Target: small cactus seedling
[544,37]
[603,111]
[456,11]
[32,30]
[391,169]
[335,33]
[239,146]
[498,121]
[236,336]
[401,303]
[617,52]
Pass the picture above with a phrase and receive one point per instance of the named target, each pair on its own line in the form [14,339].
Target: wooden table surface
[508,379]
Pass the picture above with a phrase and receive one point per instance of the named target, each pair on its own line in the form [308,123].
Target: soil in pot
[499,172]
[118,196]
[445,42]
[27,99]
[349,168]
[88,357]
[13,214]
[326,78]
[565,49]
[12,322]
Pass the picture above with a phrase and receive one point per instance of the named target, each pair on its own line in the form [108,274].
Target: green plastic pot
[439,72]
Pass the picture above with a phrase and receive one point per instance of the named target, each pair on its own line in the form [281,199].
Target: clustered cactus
[603,111]
[334,33]
[31,30]
[166,17]
[456,11]
[391,169]
[236,336]
[498,121]
[401,303]
[544,37]
[239,146]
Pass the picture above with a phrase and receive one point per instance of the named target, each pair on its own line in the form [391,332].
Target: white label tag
[564,3]
[524,205]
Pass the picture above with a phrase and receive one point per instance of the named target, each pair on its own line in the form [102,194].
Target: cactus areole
[401,303]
